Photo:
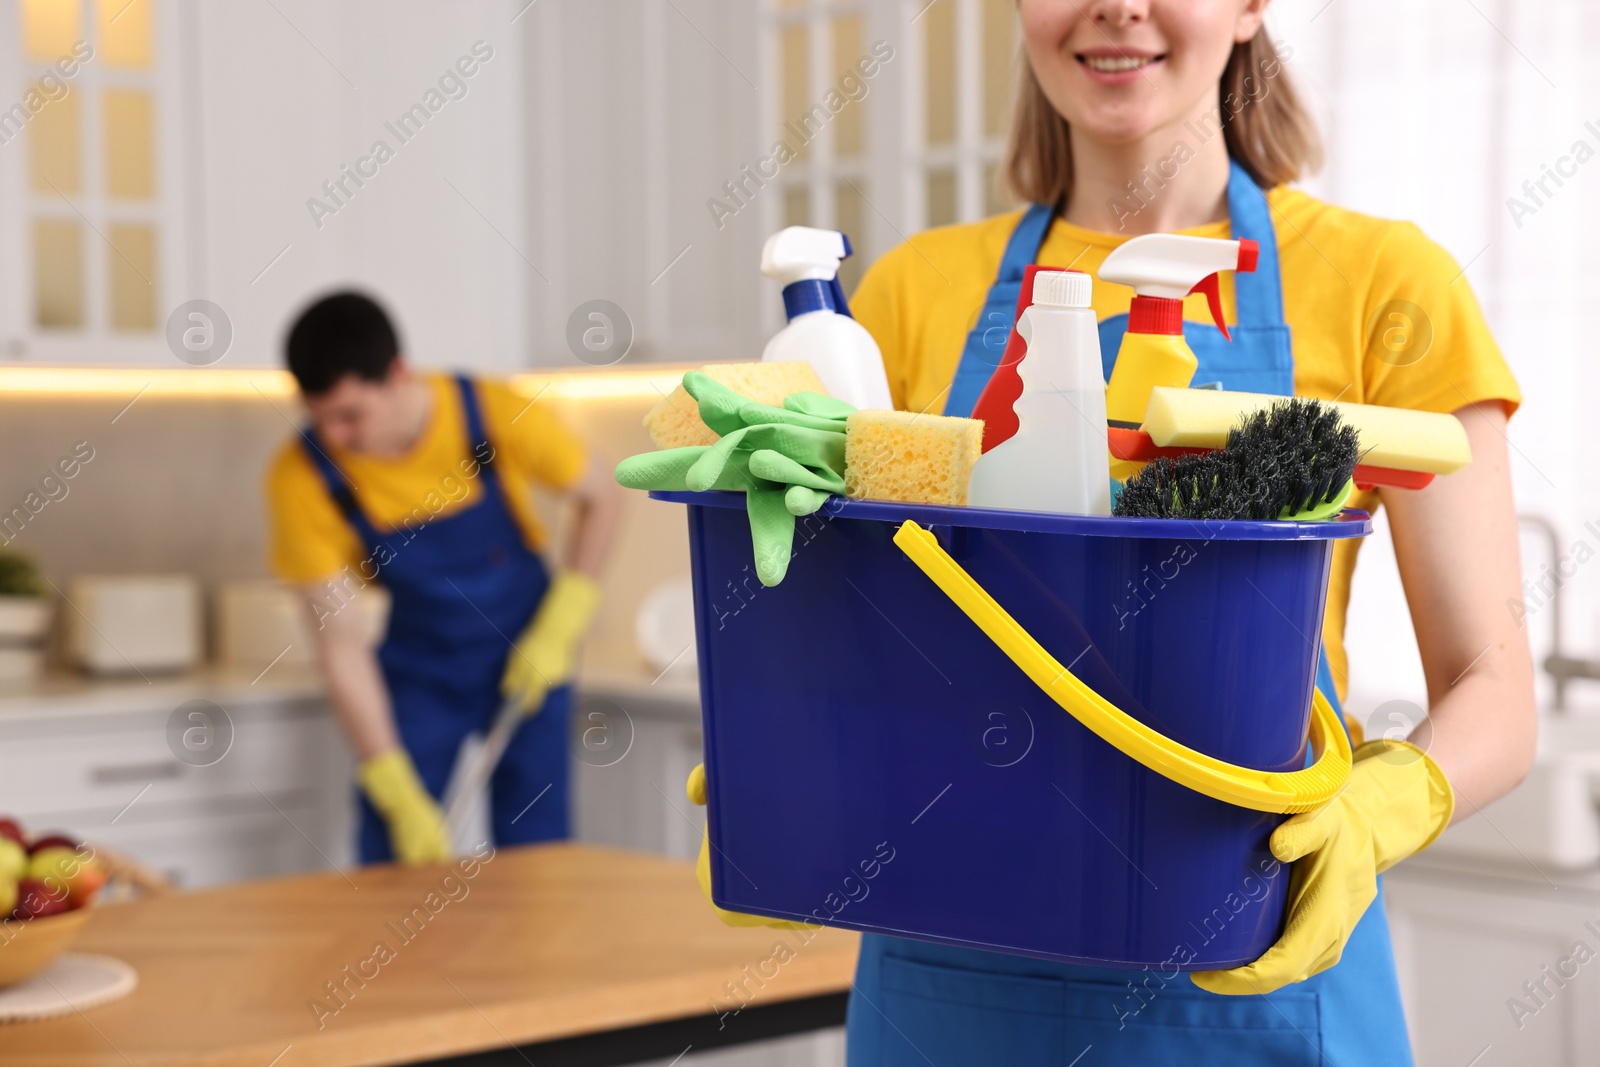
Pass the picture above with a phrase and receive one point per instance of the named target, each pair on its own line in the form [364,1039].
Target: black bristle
[1289,457]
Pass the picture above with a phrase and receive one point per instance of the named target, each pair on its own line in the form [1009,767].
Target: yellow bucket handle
[1245,787]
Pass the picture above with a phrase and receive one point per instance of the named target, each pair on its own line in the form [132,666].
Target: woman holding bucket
[1143,116]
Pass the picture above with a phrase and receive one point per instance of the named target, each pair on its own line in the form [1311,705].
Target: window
[821,89]
[916,144]
[969,52]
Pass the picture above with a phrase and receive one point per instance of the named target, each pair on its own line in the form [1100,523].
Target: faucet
[1561,667]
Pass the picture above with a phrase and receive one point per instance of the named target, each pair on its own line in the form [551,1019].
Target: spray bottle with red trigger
[1162,269]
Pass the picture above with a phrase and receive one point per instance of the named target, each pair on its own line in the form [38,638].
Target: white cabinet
[236,158]
[1497,967]
[635,798]
[277,802]
[367,144]
[97,197]
[229,844]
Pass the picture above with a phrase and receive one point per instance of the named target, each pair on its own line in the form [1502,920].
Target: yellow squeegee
[1398,438]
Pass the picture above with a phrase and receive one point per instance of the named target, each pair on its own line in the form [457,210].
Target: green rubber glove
[719,405]
[820,450]
[786,460]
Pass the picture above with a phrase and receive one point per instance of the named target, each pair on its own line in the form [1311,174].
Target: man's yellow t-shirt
[312,541]
[1345,278]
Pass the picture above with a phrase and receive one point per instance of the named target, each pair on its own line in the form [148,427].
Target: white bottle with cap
[1056,460]
[821,330]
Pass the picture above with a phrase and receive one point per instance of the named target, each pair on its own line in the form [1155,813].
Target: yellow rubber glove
[696,788]
[416,825]
[1396,802]
[547,651]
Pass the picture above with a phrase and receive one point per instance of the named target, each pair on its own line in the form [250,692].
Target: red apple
[13,860]
[36,901]
[85,883]
[10,828]
[56,840]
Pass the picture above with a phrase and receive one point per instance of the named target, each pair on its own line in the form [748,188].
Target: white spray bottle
[1056,459]
[821,331]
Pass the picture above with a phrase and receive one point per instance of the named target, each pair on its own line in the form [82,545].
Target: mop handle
[476,774]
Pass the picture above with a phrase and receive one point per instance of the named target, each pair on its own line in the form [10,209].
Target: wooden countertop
[536,944]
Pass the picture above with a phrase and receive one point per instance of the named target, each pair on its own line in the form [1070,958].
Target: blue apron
[463,587]
[916,1003]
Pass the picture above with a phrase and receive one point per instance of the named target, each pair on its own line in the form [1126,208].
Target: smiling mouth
[1118,64]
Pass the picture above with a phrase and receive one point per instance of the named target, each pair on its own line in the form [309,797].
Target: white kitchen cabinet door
[638,113]
[265,182]
[266,839]
[631,758]
[367,144]
[97,196]
[1466,945]
[88,767]
[278,801]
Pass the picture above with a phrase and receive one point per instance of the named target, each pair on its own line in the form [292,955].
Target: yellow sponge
[900,455]
[1399,438]
[675,421]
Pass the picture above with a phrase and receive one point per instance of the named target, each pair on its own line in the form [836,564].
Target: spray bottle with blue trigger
[821,330]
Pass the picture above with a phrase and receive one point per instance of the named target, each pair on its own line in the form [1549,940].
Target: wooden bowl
[28,946]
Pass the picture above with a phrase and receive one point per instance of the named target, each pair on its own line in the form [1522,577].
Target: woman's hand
[1396,802]
[1456,542]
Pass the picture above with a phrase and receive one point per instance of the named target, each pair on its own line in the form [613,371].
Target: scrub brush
[1293,460]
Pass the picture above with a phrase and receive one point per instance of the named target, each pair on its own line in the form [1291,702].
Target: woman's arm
[1456,542]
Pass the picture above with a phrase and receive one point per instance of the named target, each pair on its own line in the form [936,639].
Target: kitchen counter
[69,694]
[60,694]
[546,948]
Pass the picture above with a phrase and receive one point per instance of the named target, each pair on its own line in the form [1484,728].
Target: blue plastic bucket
[874,762]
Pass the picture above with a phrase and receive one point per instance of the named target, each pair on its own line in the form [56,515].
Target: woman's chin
[1117,127]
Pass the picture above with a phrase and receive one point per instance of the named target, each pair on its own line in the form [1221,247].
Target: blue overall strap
[986,343]
[339,489]
[1258,309]
[477,437]
[1258,295]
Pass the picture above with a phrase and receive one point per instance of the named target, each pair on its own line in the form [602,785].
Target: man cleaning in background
[423,482]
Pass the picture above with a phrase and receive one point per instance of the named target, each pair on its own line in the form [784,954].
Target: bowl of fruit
[46,886]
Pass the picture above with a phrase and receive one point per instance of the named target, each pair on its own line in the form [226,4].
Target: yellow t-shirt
[1341,271]
[312,541]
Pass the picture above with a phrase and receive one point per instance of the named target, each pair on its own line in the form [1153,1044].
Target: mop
[467,785]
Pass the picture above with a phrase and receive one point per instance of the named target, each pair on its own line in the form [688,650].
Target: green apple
[13,859]
[68,873]
[55,867]
[8,895]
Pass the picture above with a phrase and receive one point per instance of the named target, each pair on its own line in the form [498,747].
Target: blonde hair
[1270,134]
